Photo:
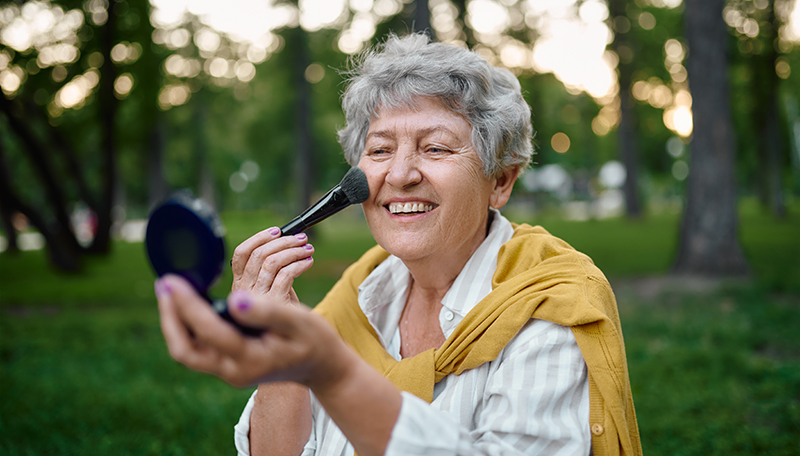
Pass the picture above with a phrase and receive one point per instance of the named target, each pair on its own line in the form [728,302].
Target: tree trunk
[6,217]
[767,120]
[59,143]
[771,158]
[304,165]
[422,18]
[469,36]
[62,248]
[7,207]
[626,132]
[205,184]
[42,164]
[108,111]
[709,242]
[157,184]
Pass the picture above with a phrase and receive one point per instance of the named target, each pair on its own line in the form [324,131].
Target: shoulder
[533,245]
[534,249]
[537,265]
[540,336]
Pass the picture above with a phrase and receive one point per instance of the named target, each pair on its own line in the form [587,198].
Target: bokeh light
[123,85]
[782,68]
[487,17]
[173,95]
[314,73]
[550,178]
[560,142]
[680,170]
[675,147]
[612,174]
[37,25]
[647,21]
[315,15]
[73,94]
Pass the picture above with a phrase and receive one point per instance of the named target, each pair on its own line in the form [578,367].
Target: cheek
[374,178]
[470,184]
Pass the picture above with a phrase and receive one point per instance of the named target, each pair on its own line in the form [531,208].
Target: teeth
[408,208]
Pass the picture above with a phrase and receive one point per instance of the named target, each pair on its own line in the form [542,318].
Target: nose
[404,170]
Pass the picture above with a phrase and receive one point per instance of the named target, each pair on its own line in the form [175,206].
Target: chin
[406,247]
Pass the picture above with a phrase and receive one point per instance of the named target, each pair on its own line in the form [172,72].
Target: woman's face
[429,197]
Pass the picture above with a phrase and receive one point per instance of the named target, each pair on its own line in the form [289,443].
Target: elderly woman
[460,333]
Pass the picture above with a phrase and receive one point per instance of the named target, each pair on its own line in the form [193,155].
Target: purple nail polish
[241,299]
[162,288]
[300,236]
[309,247]
[274,231]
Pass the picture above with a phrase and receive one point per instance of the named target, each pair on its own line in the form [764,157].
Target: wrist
[338,369]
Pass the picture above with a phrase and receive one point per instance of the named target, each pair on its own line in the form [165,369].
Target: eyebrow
[424,132]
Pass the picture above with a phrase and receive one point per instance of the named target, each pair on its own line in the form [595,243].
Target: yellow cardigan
[538,276]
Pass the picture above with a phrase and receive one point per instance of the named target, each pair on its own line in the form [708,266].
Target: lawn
[714,369]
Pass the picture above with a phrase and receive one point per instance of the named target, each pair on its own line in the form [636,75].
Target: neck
[432,277]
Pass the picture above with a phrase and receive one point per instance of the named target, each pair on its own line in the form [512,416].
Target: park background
[668,149]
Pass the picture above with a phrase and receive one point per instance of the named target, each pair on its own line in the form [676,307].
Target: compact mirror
[186,237]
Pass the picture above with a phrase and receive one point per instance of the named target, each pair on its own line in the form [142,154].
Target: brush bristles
[354,184]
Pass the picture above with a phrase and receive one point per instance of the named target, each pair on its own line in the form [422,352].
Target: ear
[502,186]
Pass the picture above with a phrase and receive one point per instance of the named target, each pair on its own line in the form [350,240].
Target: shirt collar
[382,295]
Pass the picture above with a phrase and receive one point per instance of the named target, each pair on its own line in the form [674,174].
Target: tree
[769,124]
[709,242]
[764,152]
[627,131]
[62,116]
[304,167]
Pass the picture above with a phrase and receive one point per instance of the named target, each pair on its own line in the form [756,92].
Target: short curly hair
[401,69]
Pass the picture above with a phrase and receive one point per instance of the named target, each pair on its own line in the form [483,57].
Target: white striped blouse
[533,399]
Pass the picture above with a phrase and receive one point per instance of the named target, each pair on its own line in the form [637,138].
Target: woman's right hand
[266,264]
[298,346]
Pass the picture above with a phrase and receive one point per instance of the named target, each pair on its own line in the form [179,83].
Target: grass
[84,370]
[715,373]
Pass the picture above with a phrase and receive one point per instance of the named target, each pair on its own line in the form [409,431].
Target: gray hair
[402,69]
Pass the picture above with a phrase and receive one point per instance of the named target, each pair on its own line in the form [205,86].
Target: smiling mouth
[410,208]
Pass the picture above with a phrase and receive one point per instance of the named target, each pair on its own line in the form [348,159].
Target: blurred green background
[108,106]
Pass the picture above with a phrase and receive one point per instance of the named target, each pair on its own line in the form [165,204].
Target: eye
[438,150]
[378,152]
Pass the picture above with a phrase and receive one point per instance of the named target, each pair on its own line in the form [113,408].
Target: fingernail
[309,247]
[162,288]
[274,231]
[309,258]
[300,236]
[241,299]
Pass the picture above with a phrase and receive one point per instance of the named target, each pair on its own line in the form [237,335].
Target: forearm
[363,403]
[281,419]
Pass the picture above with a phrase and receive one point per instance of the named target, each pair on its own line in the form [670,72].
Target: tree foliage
[184,102]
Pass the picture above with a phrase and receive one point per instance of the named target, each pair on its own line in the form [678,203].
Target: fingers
[262,313]
[284,280]
[294,345]
[242,252]
[297,345]
[258,260]
[195,335]
[289,264]
[175,333]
